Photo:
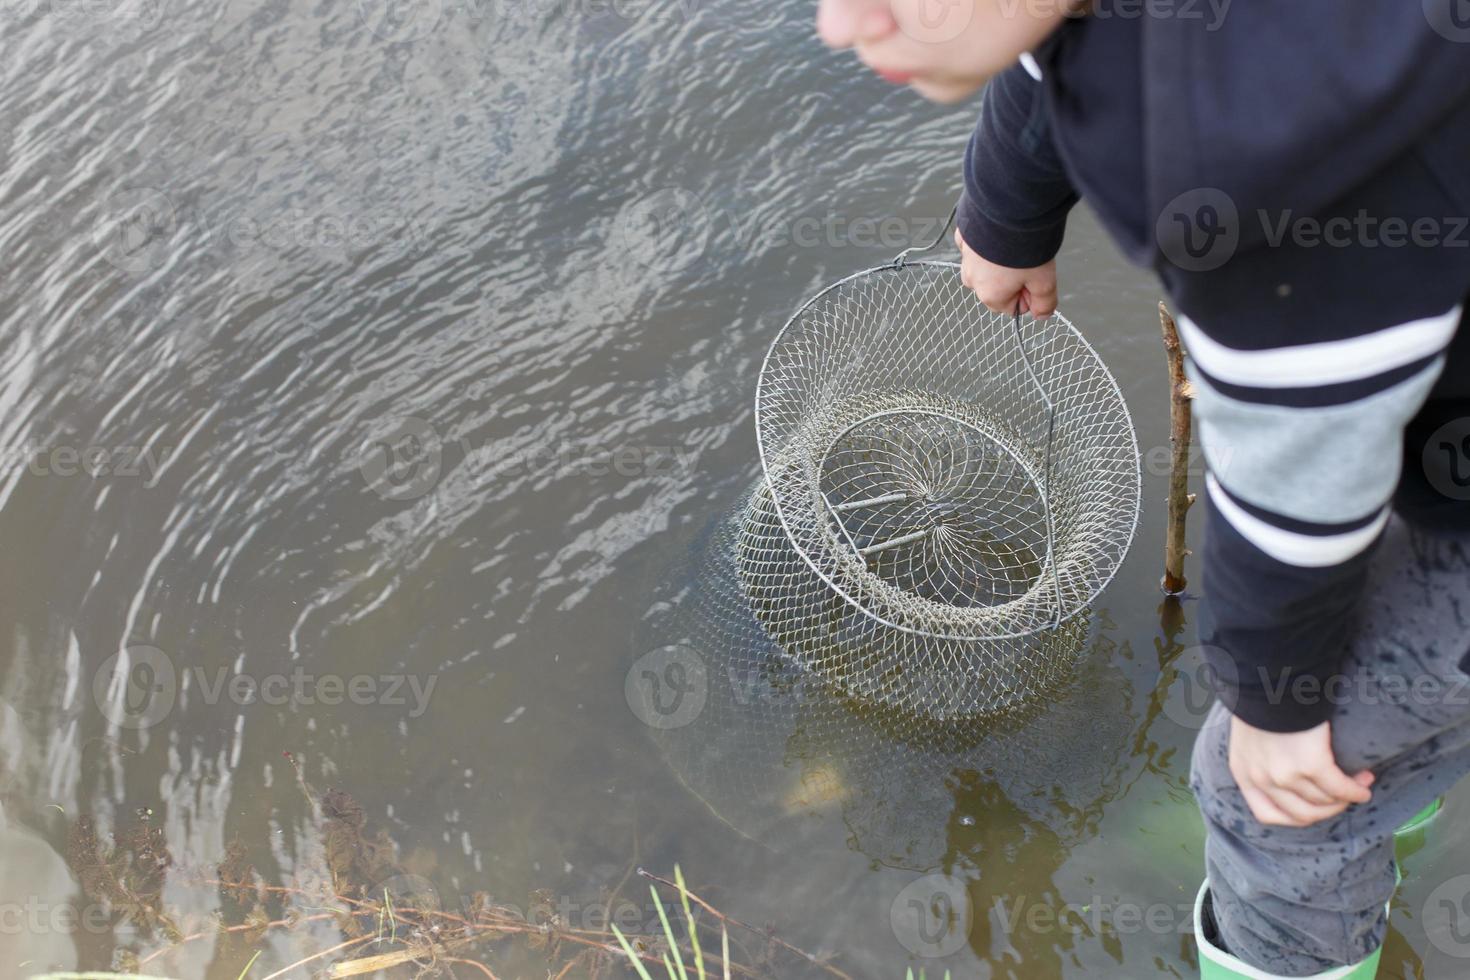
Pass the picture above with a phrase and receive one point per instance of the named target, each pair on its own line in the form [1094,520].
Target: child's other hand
[1000,287]
[1291,779]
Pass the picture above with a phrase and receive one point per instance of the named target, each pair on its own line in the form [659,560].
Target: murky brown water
[251,245]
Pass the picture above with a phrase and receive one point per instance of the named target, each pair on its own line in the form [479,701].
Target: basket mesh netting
[774,748]
[947,488]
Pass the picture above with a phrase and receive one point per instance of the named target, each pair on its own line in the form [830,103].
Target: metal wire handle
[898,259]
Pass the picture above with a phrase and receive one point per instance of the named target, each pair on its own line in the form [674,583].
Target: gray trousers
[1298,901]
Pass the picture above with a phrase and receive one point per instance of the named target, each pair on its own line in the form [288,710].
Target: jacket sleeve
[1305,451]
[1013,211]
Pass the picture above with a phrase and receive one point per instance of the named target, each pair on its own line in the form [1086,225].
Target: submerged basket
[953,485]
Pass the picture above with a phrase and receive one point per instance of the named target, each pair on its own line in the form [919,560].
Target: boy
[1298,175]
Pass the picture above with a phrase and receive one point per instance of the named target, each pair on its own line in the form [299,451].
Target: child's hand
[1000,287]
[1292,779]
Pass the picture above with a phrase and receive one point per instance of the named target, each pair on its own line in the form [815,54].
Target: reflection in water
[773,749]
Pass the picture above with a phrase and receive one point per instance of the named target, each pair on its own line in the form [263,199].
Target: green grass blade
[248,965]
[689,918]
[669,932]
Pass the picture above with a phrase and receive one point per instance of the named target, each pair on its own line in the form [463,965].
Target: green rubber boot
[1216,964]
[1412,836]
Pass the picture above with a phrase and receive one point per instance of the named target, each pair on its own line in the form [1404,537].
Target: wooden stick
[1181,417]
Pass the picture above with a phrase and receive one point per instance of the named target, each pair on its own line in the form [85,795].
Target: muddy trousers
[1294,902]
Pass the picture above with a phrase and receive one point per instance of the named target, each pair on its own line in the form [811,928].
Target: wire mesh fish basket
[951,487]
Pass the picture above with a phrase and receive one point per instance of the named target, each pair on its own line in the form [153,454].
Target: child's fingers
[1310,791]
[1301,812]
[1340,786]
[1043,297]
[1264,810]
[998,295]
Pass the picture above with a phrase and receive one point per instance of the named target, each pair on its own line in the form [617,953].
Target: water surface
[411,346]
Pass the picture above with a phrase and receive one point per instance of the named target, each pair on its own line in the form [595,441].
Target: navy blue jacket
[1299,176]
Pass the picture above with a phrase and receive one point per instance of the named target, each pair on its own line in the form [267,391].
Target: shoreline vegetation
[404,933]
